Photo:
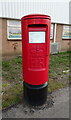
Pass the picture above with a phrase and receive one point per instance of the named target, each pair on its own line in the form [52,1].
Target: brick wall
[14,47]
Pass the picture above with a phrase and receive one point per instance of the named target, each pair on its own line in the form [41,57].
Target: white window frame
[12,26]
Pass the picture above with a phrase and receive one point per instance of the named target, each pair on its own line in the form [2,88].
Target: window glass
[14,29]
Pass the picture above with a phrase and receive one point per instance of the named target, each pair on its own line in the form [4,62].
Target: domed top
[31,16]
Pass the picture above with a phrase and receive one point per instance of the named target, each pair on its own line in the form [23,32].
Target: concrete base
[35,94]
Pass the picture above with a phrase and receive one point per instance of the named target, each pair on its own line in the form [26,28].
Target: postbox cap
[35,16]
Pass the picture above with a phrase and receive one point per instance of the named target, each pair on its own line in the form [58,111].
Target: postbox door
[37,55]
[37,48]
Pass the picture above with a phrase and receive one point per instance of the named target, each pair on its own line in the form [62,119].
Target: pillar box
[35,56]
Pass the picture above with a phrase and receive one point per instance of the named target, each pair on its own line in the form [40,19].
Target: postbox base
[35,94]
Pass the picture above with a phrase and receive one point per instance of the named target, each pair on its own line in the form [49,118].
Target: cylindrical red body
[35,48]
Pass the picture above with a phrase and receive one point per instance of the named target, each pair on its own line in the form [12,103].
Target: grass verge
[12,87]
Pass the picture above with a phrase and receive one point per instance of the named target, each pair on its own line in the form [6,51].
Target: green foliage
[12,96]
[54,84]
[59,62]
[12,69]
[5,85]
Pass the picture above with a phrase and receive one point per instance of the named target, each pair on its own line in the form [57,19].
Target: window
[13,29]
[66,32]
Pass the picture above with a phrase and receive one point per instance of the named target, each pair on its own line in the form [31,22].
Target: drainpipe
[54,33]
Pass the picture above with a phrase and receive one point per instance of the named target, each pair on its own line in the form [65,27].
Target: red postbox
[35,54]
